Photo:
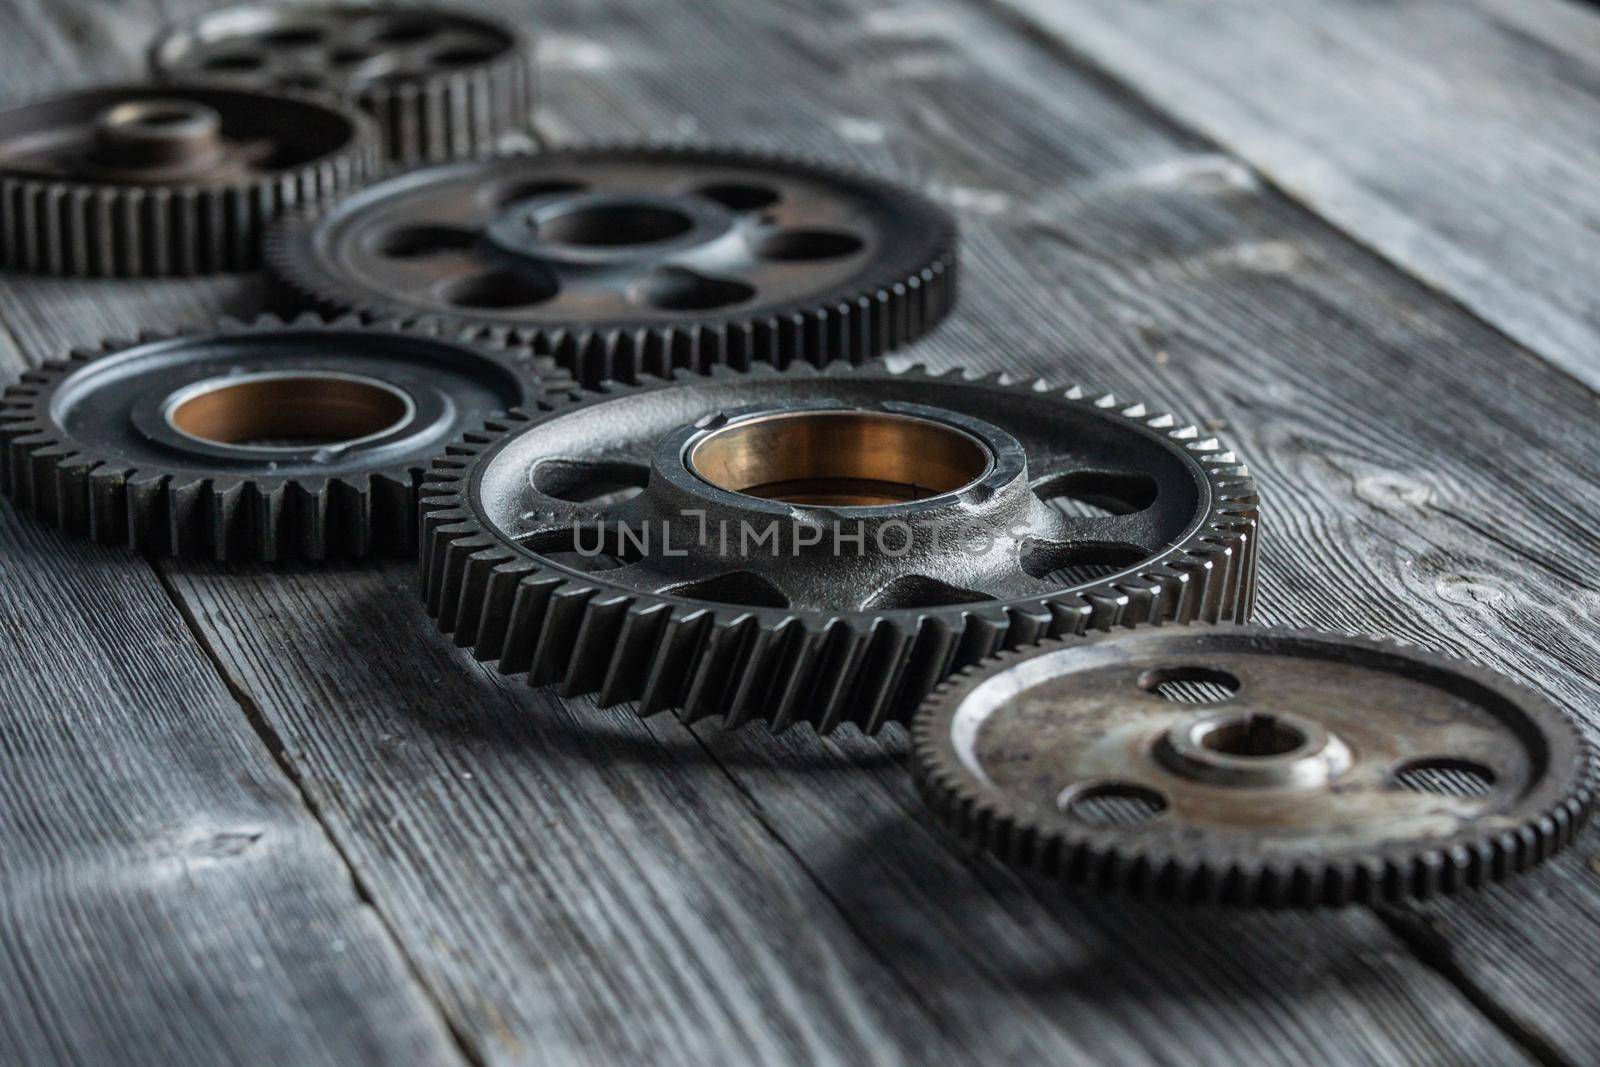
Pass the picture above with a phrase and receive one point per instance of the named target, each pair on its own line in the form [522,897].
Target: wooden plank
[165,895]
[1455,137]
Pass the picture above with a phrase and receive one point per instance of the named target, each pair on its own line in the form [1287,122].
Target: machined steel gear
[441,84]
[822,546]
[141,181]
[1250,766]
[628,260]
[259,440]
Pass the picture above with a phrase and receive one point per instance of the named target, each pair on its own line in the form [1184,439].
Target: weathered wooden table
[268,815]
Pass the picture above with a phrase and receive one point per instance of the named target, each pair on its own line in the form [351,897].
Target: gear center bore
[1254,750]
[165,135]
[289,412]
[839,458]
[602,229]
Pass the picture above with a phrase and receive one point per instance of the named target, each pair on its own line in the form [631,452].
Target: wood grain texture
[165,896]
[1455,137]
[573,884]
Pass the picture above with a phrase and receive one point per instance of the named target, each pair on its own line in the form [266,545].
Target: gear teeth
[223,516]
[782,667]
[1394,874]
[883,315]
[89,229]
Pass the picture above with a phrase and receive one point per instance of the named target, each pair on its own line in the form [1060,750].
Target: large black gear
[627,260]
[441,84]
[1256,767]
[1101,514]
[258,440]
[141,181]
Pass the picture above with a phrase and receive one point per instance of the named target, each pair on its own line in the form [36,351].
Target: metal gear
[628,260]
[258,440]
[1248,766]
[808,546]
[135,181]
[440,84]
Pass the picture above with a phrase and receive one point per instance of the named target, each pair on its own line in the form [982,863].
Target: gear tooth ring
[1254,767]
[263,440]
[141,181]
[440,84]
[799,546]
[622,261]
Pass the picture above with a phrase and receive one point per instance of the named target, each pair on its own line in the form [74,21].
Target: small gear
[440,84]
[628,260]
[258,440]
[135,181]
[1249,766]
[822,546]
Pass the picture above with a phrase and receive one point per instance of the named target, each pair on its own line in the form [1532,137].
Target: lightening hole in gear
[681,289]
[498,289]
[404,31]
[613,225]
[1449,776]
[411,242]
[289,411]
[1190,685]
[309,83]
[1070,564]
[921,591]
[520,191]
[234,63]
[736,587]
[1253,737]
[588,547]
[839,458]
[293,37]
[1114,804]
[803,245]
[1097,494]
[740,196]
[350,57]
[454,58]
[585,482]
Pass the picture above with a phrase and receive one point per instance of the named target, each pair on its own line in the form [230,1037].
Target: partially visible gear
[259,440]
[624,261]
[135,181]
[441,84]
[822,546]
[1256,767]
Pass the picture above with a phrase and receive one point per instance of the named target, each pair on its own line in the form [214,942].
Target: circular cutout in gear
[622,261]
[440,84]
[135,181]
[822,546]
[252,441]
[1252,766]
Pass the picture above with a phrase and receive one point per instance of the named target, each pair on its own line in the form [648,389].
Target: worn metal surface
[1255,766]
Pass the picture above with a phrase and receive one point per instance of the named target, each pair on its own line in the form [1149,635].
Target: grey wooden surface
[267,815]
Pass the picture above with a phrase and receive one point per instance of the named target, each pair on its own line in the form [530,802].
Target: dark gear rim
[1296,769]
[440,84]
[260,440]
[147,181]
[630,260]
[809,637]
